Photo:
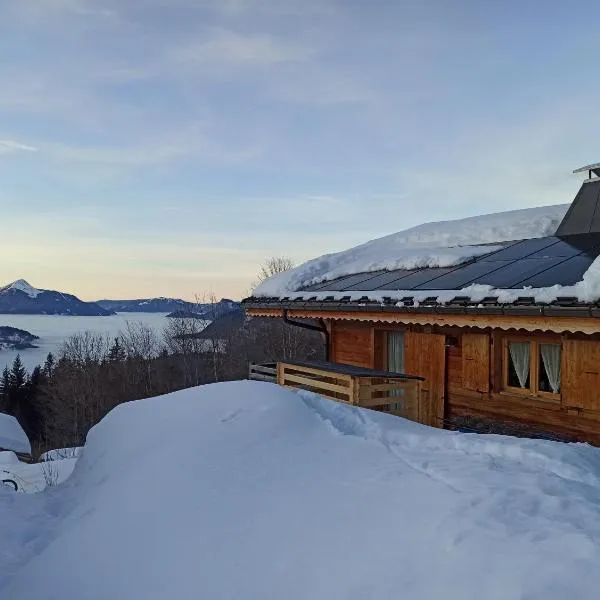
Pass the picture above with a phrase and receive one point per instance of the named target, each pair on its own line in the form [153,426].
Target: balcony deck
[396,393]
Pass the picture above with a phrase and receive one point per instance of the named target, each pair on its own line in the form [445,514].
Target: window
[532,366]
[395,351]
[395,358]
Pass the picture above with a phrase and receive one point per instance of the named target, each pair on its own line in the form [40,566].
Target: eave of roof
[523,306]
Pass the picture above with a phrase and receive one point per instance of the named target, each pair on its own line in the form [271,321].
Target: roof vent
[583,215]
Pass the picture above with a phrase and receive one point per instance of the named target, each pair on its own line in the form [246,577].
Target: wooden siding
[580,374]
[454,376]
[424,355]
[352,345]
[476,362]
[538,414]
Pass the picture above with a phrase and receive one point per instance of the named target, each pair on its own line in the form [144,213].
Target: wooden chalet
[486,364]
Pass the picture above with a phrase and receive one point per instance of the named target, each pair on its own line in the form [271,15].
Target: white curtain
[551,359]
[395,362]
[395,344]
[519,353]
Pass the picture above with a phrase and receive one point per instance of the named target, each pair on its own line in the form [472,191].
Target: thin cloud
[229,48]
[10,146]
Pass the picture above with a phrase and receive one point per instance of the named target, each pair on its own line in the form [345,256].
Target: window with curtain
[395,351]
[395,357]
[532,366]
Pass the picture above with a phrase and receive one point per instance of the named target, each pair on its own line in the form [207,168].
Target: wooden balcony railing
[396,393]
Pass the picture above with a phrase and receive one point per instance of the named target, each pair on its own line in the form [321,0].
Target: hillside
[248,490]
[12,338]
[20,298]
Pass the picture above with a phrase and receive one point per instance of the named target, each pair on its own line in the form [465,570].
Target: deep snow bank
[247,490]
[12,436]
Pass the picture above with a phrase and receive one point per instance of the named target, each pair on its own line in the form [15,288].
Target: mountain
[20,298]
[12,338]
[169,305]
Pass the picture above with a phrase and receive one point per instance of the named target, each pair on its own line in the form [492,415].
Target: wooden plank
[317,383]
[476,361]
[531,411]
[353,345]
[261,377]
[580,374]
[424,355]
[505,322]
[263,370]
[320,372]
[410,385]
[291,387]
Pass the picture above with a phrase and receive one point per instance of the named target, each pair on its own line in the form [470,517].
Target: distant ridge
[167,305]
[21,298]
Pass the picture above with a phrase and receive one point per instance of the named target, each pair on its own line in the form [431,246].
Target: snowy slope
[442,244]
[22,286]
[247,490]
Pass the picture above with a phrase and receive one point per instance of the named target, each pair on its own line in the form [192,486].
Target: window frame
[534,366]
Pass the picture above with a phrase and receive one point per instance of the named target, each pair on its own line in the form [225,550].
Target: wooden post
[280,373]
[354,390]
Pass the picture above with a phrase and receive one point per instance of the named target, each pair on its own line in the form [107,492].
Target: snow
[32,478]
[12,436]
[60,454]
[23,286]
[442,244]
[248,490]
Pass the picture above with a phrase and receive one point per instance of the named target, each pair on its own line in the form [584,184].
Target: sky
[168,147]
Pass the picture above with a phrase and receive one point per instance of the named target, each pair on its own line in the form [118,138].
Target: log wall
[467,381]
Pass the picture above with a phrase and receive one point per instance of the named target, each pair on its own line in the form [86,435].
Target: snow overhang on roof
[476,260]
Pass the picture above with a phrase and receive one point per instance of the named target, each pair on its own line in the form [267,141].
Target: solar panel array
[538,262]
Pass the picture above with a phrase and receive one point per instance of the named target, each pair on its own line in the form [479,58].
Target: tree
[273,266]
[18,374]
[4,389]
[116,352]
[49,365]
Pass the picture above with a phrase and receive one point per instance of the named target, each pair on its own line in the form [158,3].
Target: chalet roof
[559,267]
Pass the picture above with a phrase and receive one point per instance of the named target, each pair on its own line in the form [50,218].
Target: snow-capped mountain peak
[22,286]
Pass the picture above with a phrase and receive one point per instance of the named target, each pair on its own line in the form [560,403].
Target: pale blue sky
[166,147]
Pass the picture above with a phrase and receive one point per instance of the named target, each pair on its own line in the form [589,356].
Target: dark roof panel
[463,276]
[582,215]
[567,272]
[538,262]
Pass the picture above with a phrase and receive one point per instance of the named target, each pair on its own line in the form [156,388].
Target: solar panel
[566,248]
[521,249]
[342,284]
[411,281]
[567,272]
[464,275]
[518,271]
[540,262]
[381,281]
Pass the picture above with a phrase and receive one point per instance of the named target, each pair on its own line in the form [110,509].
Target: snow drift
[442,244]
[12,436]
[248,490]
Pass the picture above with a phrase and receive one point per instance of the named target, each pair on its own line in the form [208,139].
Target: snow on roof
[12,436]
[249,490]
[23,286]
[441,244]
